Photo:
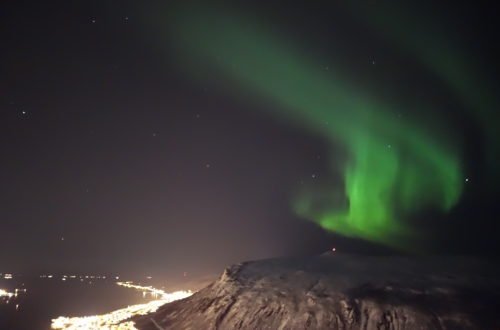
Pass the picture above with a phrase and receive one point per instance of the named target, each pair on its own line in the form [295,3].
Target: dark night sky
[113,158]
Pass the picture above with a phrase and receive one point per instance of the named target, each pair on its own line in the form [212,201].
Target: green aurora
[440,51]
[394,165]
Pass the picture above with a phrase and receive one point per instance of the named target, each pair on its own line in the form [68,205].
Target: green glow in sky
[442,52]
[394,164]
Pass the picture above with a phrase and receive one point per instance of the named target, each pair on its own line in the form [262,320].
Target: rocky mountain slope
[336,291]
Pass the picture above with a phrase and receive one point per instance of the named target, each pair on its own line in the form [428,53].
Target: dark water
[46,299]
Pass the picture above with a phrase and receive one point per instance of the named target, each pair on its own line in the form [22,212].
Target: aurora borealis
[202,134]
[164,141]
[439,50]
[394,165]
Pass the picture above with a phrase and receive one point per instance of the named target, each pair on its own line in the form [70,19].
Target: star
[466,179]
[92,20]
[313,176]
[23,112]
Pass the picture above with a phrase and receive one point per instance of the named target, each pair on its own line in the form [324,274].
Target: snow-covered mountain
[335,291]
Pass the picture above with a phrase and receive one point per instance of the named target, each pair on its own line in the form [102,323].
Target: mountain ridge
[336,291]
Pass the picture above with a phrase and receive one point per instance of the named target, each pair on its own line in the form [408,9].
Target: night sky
[170,137]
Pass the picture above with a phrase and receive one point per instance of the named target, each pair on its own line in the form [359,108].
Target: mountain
[335,291]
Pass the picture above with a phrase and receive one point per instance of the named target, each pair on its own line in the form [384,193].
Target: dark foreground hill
[342,292]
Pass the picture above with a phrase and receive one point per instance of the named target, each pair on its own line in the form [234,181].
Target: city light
[7,294]
[145,289]
[116,320]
